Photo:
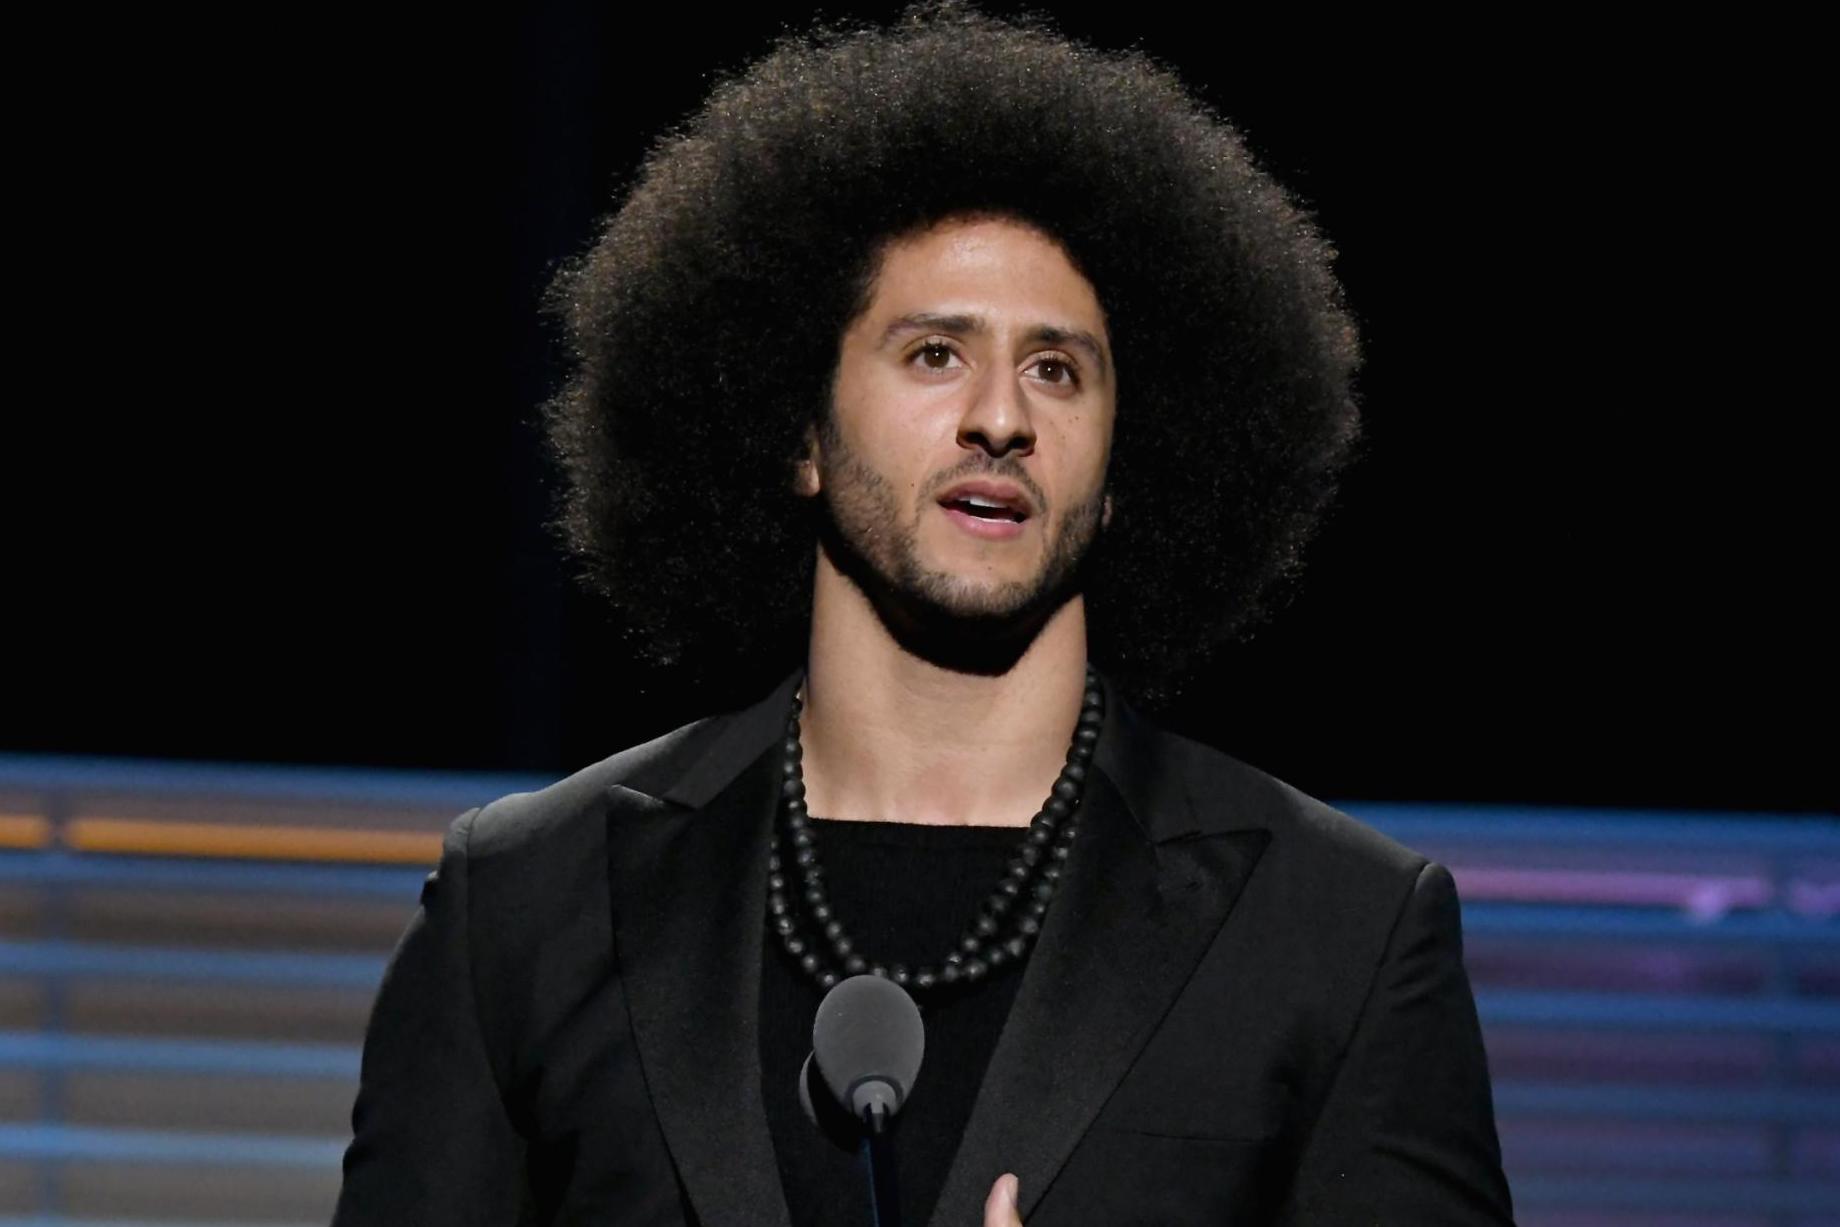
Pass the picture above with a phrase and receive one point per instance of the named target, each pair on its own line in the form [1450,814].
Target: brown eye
[935,356]
[1056,372]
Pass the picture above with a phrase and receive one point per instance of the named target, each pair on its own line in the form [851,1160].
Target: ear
[805,468]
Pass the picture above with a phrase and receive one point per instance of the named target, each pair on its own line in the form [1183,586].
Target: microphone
[867,1043]
[866,1046]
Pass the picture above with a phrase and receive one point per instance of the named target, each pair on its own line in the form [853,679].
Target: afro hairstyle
[703,329]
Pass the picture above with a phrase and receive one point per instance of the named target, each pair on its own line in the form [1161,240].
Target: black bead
[996,956]
[856,965]
[776,904]
[985,925]
[1043,890]
[783,925]
[1057,807]
[1038,908]
[833,929]
[773,865]
[1030,855]
[809,964]
[1051,873]
[827,980]
[879,972]
[1009,888]
[1066,790]
[1074,772]
[1028,925]
[795,945]
[805,857]
[792,749]
[814,895]
[797,816]
[802,838]
[949,974]
[975,969]
[1018,869]
[842,946]
[900,975]
[821,913]
[926,978]
[793,789]
[1086,735]
[1015,947]
[969,943]
[1040,833]
[1058,852]
[776,881]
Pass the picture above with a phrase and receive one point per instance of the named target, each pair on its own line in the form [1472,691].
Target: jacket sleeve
[432,1143]
[1406,1135]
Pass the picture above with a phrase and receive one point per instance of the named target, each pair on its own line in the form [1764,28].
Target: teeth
[978,501]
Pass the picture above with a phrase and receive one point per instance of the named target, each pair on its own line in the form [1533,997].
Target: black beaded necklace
[1006,926]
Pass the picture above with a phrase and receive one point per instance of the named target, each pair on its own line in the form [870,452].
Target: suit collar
[1142,761]
[1154,873]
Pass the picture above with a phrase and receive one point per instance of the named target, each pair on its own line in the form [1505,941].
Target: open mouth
[985,508]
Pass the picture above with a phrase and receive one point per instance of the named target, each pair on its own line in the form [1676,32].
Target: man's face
[964,459]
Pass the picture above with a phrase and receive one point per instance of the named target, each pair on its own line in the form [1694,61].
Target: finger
[1000,1207]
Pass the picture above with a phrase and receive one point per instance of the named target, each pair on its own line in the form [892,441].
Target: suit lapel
[689,899]
[1145,894]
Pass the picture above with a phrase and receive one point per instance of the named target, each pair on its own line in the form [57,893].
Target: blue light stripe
[1656,1012]
[64,958]
[81,1142]
[455,790]
[1644,924]
[1676,1193]
[1671,1103]
[61,868]
[1557,827]
[60,1050]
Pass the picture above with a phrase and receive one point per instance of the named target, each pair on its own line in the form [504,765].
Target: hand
[1000,1207]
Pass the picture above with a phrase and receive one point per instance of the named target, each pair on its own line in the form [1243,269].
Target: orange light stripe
[24,831]
[280,843]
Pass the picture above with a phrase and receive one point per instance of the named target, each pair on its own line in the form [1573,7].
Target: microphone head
[867,1043]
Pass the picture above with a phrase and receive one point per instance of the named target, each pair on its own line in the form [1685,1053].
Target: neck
[890,736]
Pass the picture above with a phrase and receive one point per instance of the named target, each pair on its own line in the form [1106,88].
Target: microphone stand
[877,1153]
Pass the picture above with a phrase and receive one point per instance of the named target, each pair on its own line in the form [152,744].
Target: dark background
[276,493]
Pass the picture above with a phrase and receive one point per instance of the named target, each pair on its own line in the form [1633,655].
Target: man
[965,356]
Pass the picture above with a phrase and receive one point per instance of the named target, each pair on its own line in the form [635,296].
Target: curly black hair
[704,327]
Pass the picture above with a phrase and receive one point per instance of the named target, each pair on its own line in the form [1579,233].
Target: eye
[933,355]
[1057,371]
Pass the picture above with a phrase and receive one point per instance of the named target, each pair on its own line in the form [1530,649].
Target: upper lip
[1009,495]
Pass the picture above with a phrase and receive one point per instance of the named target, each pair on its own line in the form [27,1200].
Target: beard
[952,618]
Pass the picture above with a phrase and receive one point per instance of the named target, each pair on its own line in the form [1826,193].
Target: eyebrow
[1040,334]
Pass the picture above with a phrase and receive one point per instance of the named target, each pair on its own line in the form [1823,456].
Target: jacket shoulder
[571,812]
[1226,793]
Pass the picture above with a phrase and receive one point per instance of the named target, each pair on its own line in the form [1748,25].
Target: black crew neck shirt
[906,894]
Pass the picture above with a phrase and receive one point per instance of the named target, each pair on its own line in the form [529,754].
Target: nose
[996,420]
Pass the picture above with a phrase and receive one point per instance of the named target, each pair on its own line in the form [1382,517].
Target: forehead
[999,266]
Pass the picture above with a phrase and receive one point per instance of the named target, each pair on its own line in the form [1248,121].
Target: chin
[975,599]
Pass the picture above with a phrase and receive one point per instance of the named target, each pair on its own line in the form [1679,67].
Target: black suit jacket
[1244,1007]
